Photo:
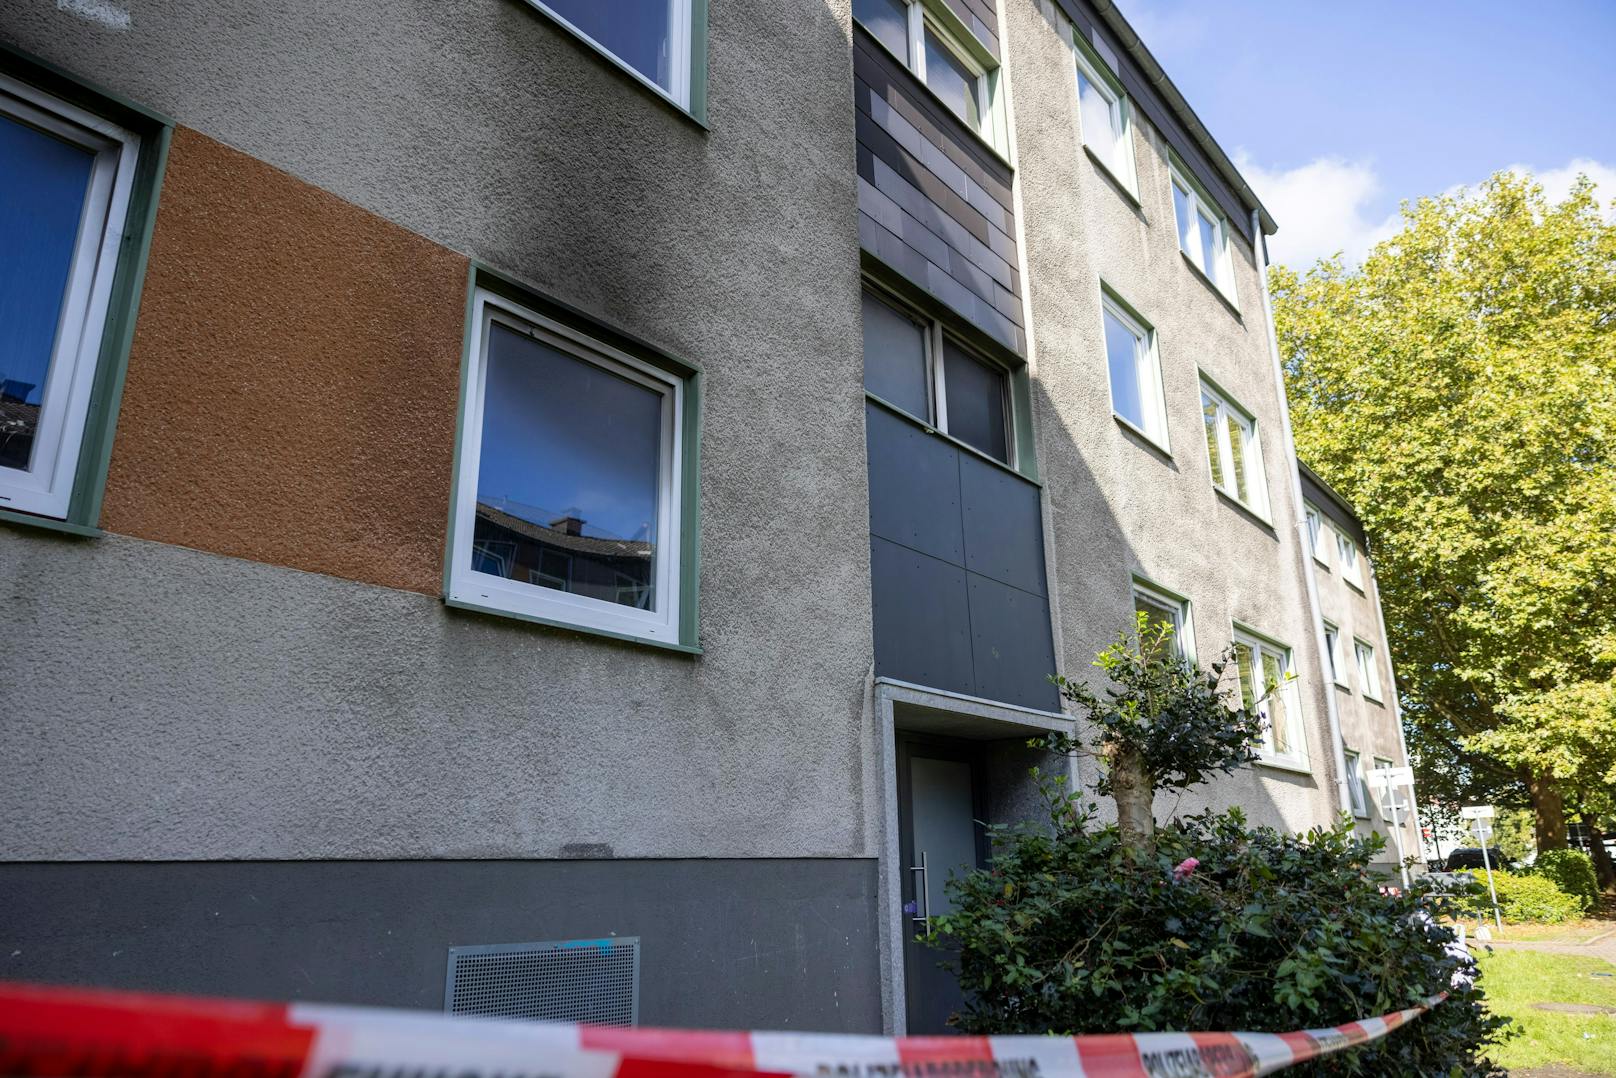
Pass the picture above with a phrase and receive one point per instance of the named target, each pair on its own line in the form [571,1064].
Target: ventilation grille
[595,981]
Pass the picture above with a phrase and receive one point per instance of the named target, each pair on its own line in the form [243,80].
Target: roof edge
[1135,46]
[1330,492]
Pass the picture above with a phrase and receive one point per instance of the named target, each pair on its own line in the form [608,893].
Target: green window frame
[152,132]
[483,283]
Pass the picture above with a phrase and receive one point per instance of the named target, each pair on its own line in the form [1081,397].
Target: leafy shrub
[1525,897]
[1573,872]
[1224,928]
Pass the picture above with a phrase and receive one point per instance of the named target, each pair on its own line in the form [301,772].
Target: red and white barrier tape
[71,1032]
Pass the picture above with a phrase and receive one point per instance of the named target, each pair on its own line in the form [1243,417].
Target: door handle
[922,915]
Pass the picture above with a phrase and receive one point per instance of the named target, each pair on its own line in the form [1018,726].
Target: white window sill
[1129,425]
[1254,514]
[1321,563]
[1344,686]
[1355,585]
[556,623]
[1293,764]
[1217,289]
[1129,190]
[1374,699]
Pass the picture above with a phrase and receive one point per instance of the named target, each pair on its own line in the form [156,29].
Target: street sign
[1382,777]
[1476,812]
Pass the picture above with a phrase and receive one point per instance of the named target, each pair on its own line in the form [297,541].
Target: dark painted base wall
[736,944]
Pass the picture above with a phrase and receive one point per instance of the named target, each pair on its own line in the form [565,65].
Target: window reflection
[952,81]
[568,477]
[43,182]
[637,32]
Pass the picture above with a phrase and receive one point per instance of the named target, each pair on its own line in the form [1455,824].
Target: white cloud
[1330,204]
[1557,181]
[1322,207]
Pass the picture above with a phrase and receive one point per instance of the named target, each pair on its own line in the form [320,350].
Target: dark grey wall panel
[1002,523]
[1150,104]
[1011,647]
[968,614]
[739,944]
[922,615]
[935,203]
[917,503]
[982,17]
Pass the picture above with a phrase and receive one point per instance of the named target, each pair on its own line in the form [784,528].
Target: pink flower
[1183,869]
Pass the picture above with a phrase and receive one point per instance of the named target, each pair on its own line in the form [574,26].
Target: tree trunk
[1604,868]
[1130,788]
[1549,808]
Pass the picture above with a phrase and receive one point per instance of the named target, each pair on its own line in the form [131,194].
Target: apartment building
[526,507]
[1358,668]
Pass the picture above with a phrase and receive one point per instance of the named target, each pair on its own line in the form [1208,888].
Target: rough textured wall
[173,705]
[293,385]
[1119,504]
[218,708]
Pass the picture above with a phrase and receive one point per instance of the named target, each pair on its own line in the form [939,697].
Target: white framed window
[65,181]
[1105,119]
[917,34]
[1388,793]
[1356,785]
[1347,556]
[1135,371]
[1233,449]
[651,39]
[913,364]
[1164,607]
[1335,658]
[1203,234]
[1317,540]
[1368,672]
[1266,675]
[569,494]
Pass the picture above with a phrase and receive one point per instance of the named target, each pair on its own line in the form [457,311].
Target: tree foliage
[1162,721]
[1460,389]
[1225,928]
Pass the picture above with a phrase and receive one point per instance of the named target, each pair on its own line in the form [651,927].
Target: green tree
[1460,388]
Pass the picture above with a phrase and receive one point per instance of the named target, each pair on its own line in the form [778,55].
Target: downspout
[1397,709]
[1303,540]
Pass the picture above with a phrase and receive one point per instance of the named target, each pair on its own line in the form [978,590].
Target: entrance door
[938,806]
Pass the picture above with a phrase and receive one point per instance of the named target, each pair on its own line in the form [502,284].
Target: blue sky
[1336,111]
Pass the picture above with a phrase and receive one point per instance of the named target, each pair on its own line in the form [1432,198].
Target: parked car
[1470,857]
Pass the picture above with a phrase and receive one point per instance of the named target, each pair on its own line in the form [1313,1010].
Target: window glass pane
[1237,454]
[1248,679]
[1184,215]
[975,402]
[1278,716]
[567,485]
[1160,613]
[1210,262]
[1099,121]
[637,32]
[43,182]
[888,20]
[952,81]
[1122,353]
[1209,410]
[1332,643]
[895,358]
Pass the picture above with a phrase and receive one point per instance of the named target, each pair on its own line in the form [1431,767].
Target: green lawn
[1514,980]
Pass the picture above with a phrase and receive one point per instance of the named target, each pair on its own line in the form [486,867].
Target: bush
[1525,897]
[1573,872]
[1226,928]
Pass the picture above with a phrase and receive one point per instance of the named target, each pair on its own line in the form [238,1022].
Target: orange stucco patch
[293,384]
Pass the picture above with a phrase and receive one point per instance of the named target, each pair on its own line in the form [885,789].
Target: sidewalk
[1602,946]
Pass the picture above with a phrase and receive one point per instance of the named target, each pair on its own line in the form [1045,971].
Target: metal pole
[1487,863]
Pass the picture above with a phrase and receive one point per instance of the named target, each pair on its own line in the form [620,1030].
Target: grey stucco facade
[224,772]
